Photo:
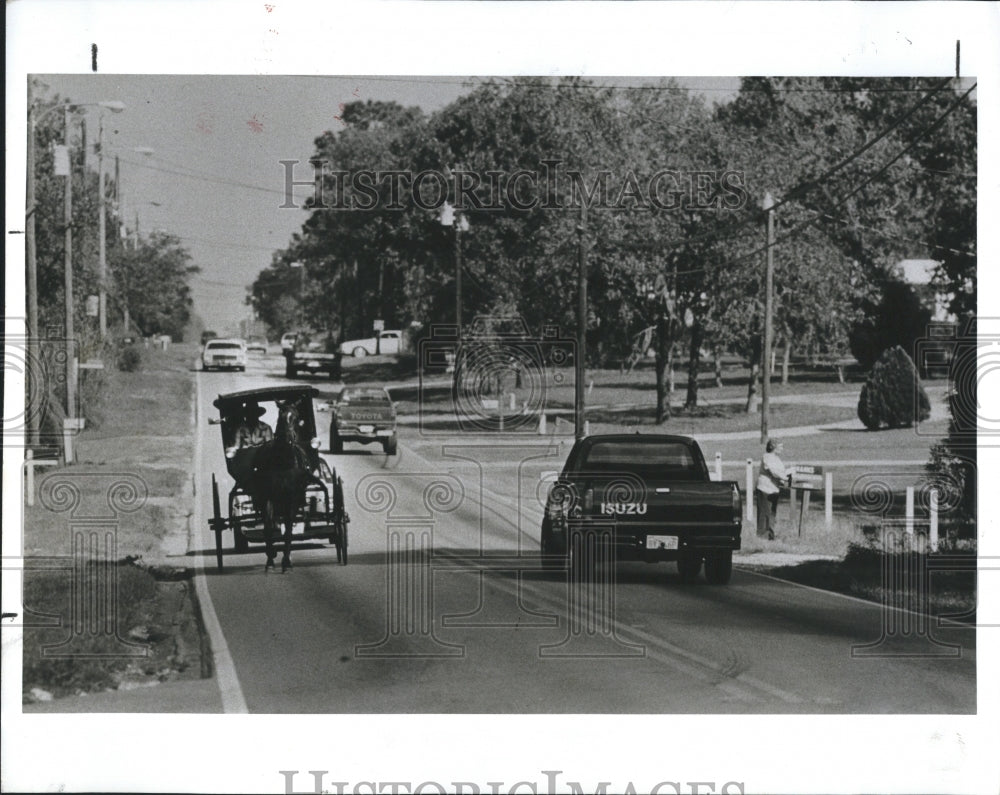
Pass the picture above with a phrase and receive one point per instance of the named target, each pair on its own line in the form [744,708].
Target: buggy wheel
[342,541]
[217,523]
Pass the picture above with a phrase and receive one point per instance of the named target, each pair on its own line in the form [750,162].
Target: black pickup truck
[308,356]
[651,497]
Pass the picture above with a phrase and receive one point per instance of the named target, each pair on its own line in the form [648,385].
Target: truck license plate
[366,428]
[661,542]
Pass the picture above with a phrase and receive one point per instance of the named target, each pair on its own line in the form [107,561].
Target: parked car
[386,342]
[363,414]
[208,335]
[228,354]
[257,343]
[288,340]
[648,495]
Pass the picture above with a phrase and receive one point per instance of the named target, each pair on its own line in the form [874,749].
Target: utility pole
[102,263]
[34,399]
[458,278]
[768,206]
[68,275]
[581,318]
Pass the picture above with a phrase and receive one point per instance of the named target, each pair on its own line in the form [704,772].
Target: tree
[899,319]
[152,282]
[892,395]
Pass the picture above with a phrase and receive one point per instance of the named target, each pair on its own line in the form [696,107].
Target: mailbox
[807,476]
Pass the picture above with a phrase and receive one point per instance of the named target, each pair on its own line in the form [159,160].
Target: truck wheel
[389,446]
[359,353]
[553,552]
[688,566]
[582,558]
[336,443]
[719,566]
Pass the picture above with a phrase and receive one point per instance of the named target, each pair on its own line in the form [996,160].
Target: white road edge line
[233,701]
[877,605]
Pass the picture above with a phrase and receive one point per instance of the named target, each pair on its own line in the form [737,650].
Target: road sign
[378,324]
[806,476]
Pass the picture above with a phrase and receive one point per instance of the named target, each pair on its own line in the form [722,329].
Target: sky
[184,141]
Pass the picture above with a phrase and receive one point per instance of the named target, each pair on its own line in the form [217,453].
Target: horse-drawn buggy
[280,480]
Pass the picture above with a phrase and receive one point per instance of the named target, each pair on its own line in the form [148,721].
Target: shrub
[892,395]
[130,359]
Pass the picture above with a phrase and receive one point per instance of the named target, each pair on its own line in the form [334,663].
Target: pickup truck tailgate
[663,505]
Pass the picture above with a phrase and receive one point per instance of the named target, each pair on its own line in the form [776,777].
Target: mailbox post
[806,478]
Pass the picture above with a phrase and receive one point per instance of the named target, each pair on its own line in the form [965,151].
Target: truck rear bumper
[654,544]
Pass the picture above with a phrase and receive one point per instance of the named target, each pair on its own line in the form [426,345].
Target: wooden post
[541,425]
[934,520]
[750,489]
[718,466]
[909,510]
[828,493]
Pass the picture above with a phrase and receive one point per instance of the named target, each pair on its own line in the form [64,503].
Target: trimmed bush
[130,359]
[892,395]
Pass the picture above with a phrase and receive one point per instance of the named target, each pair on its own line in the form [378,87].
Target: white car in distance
[224,354]
[387,342]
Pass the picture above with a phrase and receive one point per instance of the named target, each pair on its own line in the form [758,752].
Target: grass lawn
[138,431]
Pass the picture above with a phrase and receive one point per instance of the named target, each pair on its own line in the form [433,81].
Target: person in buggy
[251,434]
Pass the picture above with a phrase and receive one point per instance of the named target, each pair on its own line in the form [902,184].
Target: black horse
[278,485]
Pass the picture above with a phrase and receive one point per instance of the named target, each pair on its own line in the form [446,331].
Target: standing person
[772,476]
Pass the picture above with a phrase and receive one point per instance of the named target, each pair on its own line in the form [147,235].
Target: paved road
[443,608]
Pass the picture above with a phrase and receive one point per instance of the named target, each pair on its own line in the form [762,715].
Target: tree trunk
[671,381]
[717,357]
[786,356]
[755,362]
[662,395]
[694,365]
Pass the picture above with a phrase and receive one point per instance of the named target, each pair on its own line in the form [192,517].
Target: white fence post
[934,520]
[29,476]
[718,466]
[909,510]
[586,427]
[541,424]
[828,493]
[750,489]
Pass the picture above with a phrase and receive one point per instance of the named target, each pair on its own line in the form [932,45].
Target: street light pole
[102,264]
[581,320]
[765,395]
[32,277]
[68,274]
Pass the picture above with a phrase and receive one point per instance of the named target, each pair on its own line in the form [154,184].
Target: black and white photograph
[515,422]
